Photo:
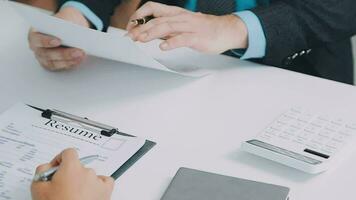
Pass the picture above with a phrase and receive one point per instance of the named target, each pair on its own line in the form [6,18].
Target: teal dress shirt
[256,37]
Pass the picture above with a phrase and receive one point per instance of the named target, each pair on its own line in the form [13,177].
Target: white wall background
[354,44]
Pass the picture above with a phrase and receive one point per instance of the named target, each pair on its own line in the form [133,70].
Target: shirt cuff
[90,15]
[256,36]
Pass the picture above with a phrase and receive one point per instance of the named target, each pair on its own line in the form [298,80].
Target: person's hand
[182,28]
[48,50]
[72,181]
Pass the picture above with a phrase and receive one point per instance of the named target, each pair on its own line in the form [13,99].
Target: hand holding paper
[48,49]
[113,46]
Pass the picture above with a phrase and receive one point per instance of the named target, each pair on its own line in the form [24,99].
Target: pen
[47,175]
[142,21]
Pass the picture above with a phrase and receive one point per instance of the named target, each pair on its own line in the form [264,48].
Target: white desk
[198,123]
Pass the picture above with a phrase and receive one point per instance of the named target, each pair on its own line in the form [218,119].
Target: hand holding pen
[179,27]
[48,174]
[141,21]
[71,180]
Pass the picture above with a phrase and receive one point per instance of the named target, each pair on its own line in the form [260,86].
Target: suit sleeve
[292,26]
[104,9]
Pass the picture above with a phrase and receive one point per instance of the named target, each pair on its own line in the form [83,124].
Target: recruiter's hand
[72,181]
[48,50]
[182,28]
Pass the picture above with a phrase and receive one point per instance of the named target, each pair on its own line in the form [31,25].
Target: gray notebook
[190,184]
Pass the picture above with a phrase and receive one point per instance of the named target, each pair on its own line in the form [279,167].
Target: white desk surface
[197,123]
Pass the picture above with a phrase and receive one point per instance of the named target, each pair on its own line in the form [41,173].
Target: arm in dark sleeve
[294,25]
[104,9]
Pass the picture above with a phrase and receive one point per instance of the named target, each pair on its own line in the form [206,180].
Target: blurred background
[120,19]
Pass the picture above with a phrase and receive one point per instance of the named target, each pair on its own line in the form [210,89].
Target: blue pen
[47,175]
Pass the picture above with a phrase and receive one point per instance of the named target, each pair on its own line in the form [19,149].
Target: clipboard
[105,130]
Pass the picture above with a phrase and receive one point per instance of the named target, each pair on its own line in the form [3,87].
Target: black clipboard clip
[105,130]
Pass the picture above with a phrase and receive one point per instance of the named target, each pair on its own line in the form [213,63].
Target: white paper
[182,60]
[28,140]
[107,45]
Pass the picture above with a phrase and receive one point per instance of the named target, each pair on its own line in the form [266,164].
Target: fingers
[43,167]
[39,40]
[60,53]
[50,55]
[68,155]
[168,25]
[56,65]
[59,58]
[164,30]
[40,187]
[137,30]
[59,65]
[66,158]
[181,40]
[156,10]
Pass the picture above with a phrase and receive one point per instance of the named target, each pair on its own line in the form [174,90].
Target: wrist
[73,15]
[237,33]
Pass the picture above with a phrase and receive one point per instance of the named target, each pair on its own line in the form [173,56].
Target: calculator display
[284,152]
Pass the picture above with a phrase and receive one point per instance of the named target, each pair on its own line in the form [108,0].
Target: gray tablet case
[190,184]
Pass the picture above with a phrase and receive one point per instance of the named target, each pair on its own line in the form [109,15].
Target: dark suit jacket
[308,36]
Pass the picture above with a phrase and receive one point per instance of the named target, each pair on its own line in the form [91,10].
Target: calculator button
[337,141]
[325,133]
[321,139]
[316,141]
[328,150]
[272,131]
[292,130]
[337,122]
[305,118]
[345,133]
[284,136]
[313,146]
[351,127]
[340,137]
[331,127]
[301,140]
[311,128]
[323,119]
[265,137]
[296,110]
[298,141]
[298,125]
[306,134]
[291,134]
[332,145]
[278,125]
[318,122]
[285,119]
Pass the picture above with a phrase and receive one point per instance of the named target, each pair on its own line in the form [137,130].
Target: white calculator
[305,141]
